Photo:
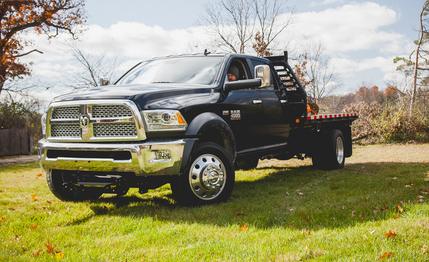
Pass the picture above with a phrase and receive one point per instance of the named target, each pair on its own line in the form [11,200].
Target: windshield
[189,70]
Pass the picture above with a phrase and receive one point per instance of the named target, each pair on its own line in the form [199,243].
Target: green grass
[291,213]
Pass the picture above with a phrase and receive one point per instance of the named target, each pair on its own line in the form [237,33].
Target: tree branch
[29,52]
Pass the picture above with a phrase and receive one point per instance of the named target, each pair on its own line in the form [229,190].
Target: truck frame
[190,121]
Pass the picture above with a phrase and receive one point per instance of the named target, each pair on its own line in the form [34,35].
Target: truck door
[243,109]
[275,126]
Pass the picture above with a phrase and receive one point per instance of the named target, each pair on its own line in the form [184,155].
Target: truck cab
[190,121]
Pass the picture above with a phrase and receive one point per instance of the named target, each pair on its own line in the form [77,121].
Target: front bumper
[143,159]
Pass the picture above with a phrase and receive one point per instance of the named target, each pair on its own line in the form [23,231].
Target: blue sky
[360,38]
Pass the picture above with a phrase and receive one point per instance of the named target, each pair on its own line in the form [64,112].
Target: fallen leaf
[59,255]
[399,209]
[34,226]
[50,249]
[48,201]
[299,193]
[386,255]
[39,174]
[244,228]
[2,218]
[37,253]
[34,197]
[239,214]
[425,249]
[390,234]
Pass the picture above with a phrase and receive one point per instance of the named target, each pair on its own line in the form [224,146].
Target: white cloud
[350,27]
[342,30]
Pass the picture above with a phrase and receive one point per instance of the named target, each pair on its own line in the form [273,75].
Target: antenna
[286,56]
[206,52]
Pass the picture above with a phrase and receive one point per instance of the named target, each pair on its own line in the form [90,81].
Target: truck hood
[149,96]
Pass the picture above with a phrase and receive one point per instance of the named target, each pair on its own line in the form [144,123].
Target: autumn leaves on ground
[377,208]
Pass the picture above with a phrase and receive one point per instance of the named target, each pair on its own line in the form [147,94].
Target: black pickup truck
[190,121]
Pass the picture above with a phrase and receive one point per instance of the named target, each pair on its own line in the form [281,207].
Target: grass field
[377,208]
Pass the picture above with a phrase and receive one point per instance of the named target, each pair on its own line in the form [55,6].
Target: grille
[69,112]
[107,122]
[65,130]
[111,111]
[115,130]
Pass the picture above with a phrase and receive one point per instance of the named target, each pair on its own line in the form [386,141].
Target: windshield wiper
[161,82]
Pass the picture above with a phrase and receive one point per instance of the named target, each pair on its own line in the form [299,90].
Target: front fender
[209,126]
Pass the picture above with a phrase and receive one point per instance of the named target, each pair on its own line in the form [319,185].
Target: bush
[389,123]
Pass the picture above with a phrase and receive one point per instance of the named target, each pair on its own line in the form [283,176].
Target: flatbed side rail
[330,118]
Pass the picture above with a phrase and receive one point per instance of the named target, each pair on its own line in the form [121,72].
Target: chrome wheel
[340,150]
[207,176]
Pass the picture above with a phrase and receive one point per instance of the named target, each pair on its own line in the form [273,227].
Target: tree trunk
[416,64]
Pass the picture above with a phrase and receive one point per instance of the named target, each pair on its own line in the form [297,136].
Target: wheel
[208,177]
[67,193]
[247,164]
[330,152]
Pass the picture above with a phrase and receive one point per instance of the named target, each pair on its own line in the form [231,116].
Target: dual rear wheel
[330,152]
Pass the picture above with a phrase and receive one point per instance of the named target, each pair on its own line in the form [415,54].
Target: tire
[330,153]
[208,177]
[247,164]
[64,193]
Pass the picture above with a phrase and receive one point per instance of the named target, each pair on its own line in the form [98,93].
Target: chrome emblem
[84,121]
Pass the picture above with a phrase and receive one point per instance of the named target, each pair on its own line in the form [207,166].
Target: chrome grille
[67,112]
[112,120]
[111,111]
[115,130]
[65,129]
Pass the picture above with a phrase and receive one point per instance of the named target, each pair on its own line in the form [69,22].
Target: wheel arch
[209,127]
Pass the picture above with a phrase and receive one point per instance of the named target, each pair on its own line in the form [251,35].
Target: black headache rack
[285,74]
[290,86]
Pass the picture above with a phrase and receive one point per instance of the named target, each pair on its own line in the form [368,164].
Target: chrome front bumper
[145,159]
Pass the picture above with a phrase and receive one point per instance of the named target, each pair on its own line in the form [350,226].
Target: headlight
[164,120]
[43,122]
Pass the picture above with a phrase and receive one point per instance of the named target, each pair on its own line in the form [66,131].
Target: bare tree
[268,24]
[94,70]
[236,22]
[423,38]
[416,66]
[315,74]
[232,21]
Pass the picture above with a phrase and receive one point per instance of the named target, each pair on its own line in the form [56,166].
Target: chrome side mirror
[263,72]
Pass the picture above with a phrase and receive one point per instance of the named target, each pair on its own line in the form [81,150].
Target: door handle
[257,102]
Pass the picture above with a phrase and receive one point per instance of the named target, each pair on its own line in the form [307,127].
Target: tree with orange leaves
[47,17]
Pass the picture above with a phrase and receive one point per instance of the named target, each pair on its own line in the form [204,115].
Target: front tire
[208,177]
[69,193]
[330,153]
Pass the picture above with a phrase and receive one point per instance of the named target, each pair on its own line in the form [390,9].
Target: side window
[256,62]
[237,71]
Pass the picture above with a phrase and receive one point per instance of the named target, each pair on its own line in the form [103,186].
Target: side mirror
[263,72]
[104,82]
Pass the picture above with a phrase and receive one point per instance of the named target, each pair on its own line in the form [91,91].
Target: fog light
[162,155]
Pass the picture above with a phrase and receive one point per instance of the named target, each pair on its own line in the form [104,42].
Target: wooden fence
[15,141]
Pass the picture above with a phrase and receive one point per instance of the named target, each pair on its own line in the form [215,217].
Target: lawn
[375,208]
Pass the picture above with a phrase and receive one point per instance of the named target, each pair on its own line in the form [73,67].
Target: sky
[360,38]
